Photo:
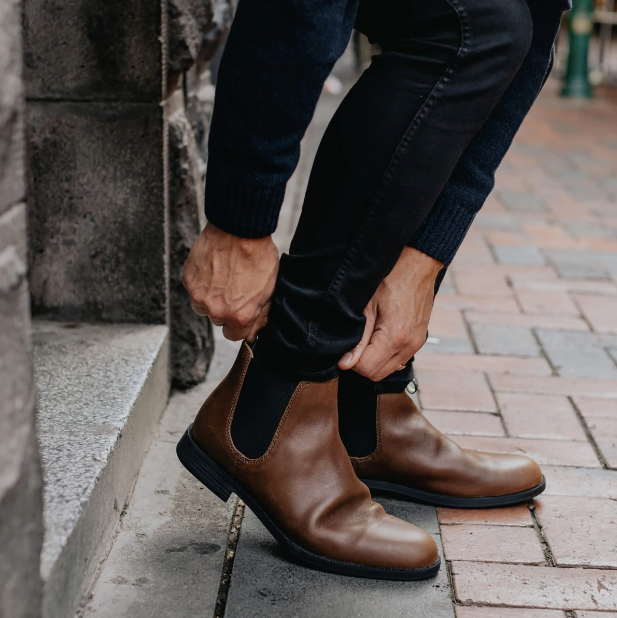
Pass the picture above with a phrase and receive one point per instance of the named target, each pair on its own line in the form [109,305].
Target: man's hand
[396,317]
[231,280]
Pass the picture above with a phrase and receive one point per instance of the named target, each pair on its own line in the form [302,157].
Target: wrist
[225,239]
[420,263]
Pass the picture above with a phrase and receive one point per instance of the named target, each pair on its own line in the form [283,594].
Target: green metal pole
[576,80]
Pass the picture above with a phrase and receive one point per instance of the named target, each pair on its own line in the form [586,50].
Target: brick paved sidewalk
[526,362]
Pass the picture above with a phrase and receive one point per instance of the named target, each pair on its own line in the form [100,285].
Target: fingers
[349,360]
[385,354]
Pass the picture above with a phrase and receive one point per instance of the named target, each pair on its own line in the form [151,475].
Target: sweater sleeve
[445,227]
[277,57]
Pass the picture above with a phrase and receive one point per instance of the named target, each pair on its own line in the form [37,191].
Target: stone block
[11,106]
[192,343]
[93,50]
[97,211]
[102,390]
[21,527]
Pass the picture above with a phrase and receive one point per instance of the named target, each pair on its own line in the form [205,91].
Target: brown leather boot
[413,459]
[303,489]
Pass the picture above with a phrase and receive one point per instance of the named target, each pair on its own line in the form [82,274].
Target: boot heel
[203,468]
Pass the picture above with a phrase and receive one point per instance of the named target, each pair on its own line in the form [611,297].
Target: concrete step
[102,390]
[168,555]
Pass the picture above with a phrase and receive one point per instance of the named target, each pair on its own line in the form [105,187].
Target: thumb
[259,322]
[349,360]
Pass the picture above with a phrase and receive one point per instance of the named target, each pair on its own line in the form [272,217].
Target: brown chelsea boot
[413,459]
[303,489]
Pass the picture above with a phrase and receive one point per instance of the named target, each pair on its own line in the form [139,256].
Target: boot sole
[208,472]
[455,502]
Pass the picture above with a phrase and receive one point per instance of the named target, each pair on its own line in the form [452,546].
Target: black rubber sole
[454,502]
[208,472]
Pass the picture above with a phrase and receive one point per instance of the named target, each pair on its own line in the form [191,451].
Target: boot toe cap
[512,474]
[399,545]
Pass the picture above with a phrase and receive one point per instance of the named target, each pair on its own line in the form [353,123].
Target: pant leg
[383,161]
[444,229]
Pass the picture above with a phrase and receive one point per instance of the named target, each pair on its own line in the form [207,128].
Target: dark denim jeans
[383,163]
[474,176]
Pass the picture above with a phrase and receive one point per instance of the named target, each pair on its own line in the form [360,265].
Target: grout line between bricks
[514,294]
[499,415]
[588,433]
[548,554]
[543,352]
[228,563]
[476,350]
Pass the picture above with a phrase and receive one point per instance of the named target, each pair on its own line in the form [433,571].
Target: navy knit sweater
[277,57]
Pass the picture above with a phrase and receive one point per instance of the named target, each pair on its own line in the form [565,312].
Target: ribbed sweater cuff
[248,211]
[442,232]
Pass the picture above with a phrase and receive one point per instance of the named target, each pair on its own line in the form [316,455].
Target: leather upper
[306,482]
[411,452]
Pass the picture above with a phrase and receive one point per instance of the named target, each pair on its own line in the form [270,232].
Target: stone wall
[119,102]
[197,29]
[94,76]
[21,526]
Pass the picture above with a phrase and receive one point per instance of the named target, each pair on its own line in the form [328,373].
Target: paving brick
[505,305]
[495,221]
[466,611]
[555,452]
[512,516]
[596,614]
[492,285]
[511,271]
[593,229]
[552,385]
[540,416]
[546,301]
[439,345]
[534,586]
[521,202]
[483,364]
[492,544]
[446,321]
[465,423]
[581,363]
[455,390]
[507,238]
[519,255]
[604,431]
[592,408]
[527,321]
[474,251]
[601,311]
[562,481]
[600,288]
[576,265]
[579,530]
[550,237]
[575,341]
[501,339]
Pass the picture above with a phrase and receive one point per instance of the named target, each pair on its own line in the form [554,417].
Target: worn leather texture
[305,481]
[411,452]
